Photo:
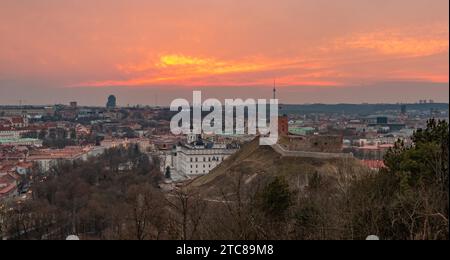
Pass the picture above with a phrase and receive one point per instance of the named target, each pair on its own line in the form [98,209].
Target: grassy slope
[255,165]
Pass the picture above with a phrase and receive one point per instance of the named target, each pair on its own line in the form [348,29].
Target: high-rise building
[382,120]
[111,102]
[403,109]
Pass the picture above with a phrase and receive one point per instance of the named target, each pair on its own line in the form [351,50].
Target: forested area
[97,198]
[118,196]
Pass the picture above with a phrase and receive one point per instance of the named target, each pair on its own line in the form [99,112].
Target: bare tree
[146,212]
[3,220]
[187,212]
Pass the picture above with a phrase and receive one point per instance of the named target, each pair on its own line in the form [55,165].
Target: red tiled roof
[376,147]
[11,187]
[6,168]
[17,120]
[374,164]
[14,175]
[69,152]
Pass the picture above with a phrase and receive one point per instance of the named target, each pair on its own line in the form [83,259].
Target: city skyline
[149,52]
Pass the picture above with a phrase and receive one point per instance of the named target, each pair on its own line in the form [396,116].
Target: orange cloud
[419,76]
[181,60]
[180,64]
[188,70]
[415,42]
[358,58]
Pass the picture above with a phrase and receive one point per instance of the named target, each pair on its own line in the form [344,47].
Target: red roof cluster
[8,183]
[17,120]
[374,164]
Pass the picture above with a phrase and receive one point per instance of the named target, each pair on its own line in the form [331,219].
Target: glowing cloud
[187,70]
[409,42]
[181,60]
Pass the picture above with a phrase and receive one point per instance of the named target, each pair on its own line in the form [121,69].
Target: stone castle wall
[323,144]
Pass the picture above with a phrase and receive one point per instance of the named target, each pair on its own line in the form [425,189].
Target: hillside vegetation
[257,194]
[254,166]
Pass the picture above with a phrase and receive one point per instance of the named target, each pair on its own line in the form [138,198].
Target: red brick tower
[283,125]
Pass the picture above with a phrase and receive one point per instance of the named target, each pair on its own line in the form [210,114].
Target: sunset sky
[147,51]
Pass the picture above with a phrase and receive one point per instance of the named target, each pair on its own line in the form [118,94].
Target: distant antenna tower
[274,90]
[21,102]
